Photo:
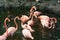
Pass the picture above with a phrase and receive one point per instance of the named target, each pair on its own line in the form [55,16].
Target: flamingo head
[8,19]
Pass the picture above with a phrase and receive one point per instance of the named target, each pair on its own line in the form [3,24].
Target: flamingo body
[30,22]
[27,34]
[24,18]
[3,37]
[11,30]
[26,26]
[44,20]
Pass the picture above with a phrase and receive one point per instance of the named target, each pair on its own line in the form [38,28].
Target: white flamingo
[12,30]
[5,35]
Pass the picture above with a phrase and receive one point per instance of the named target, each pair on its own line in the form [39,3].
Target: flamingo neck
[5,25]
[32,10]
[16,23]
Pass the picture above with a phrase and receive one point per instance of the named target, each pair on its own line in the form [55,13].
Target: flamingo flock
[27,23]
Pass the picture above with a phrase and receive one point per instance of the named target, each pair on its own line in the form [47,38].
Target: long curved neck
[16,22]
[5,25]
[32,12]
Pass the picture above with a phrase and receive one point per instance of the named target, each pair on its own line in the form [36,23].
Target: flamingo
[30,23]
[27,34]
[5,35]
[44,20]
[34,12]
[24,18]
[12,30]
[48,22]
[27,26]
[33,8]
[26,29]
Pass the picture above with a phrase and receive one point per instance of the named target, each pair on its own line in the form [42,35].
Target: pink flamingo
[44,20]
[12,30]
[34,13]
[33,8]
[27,34]
[24,19]
[24,26]
[30,23]
[5,35]
[45,23]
